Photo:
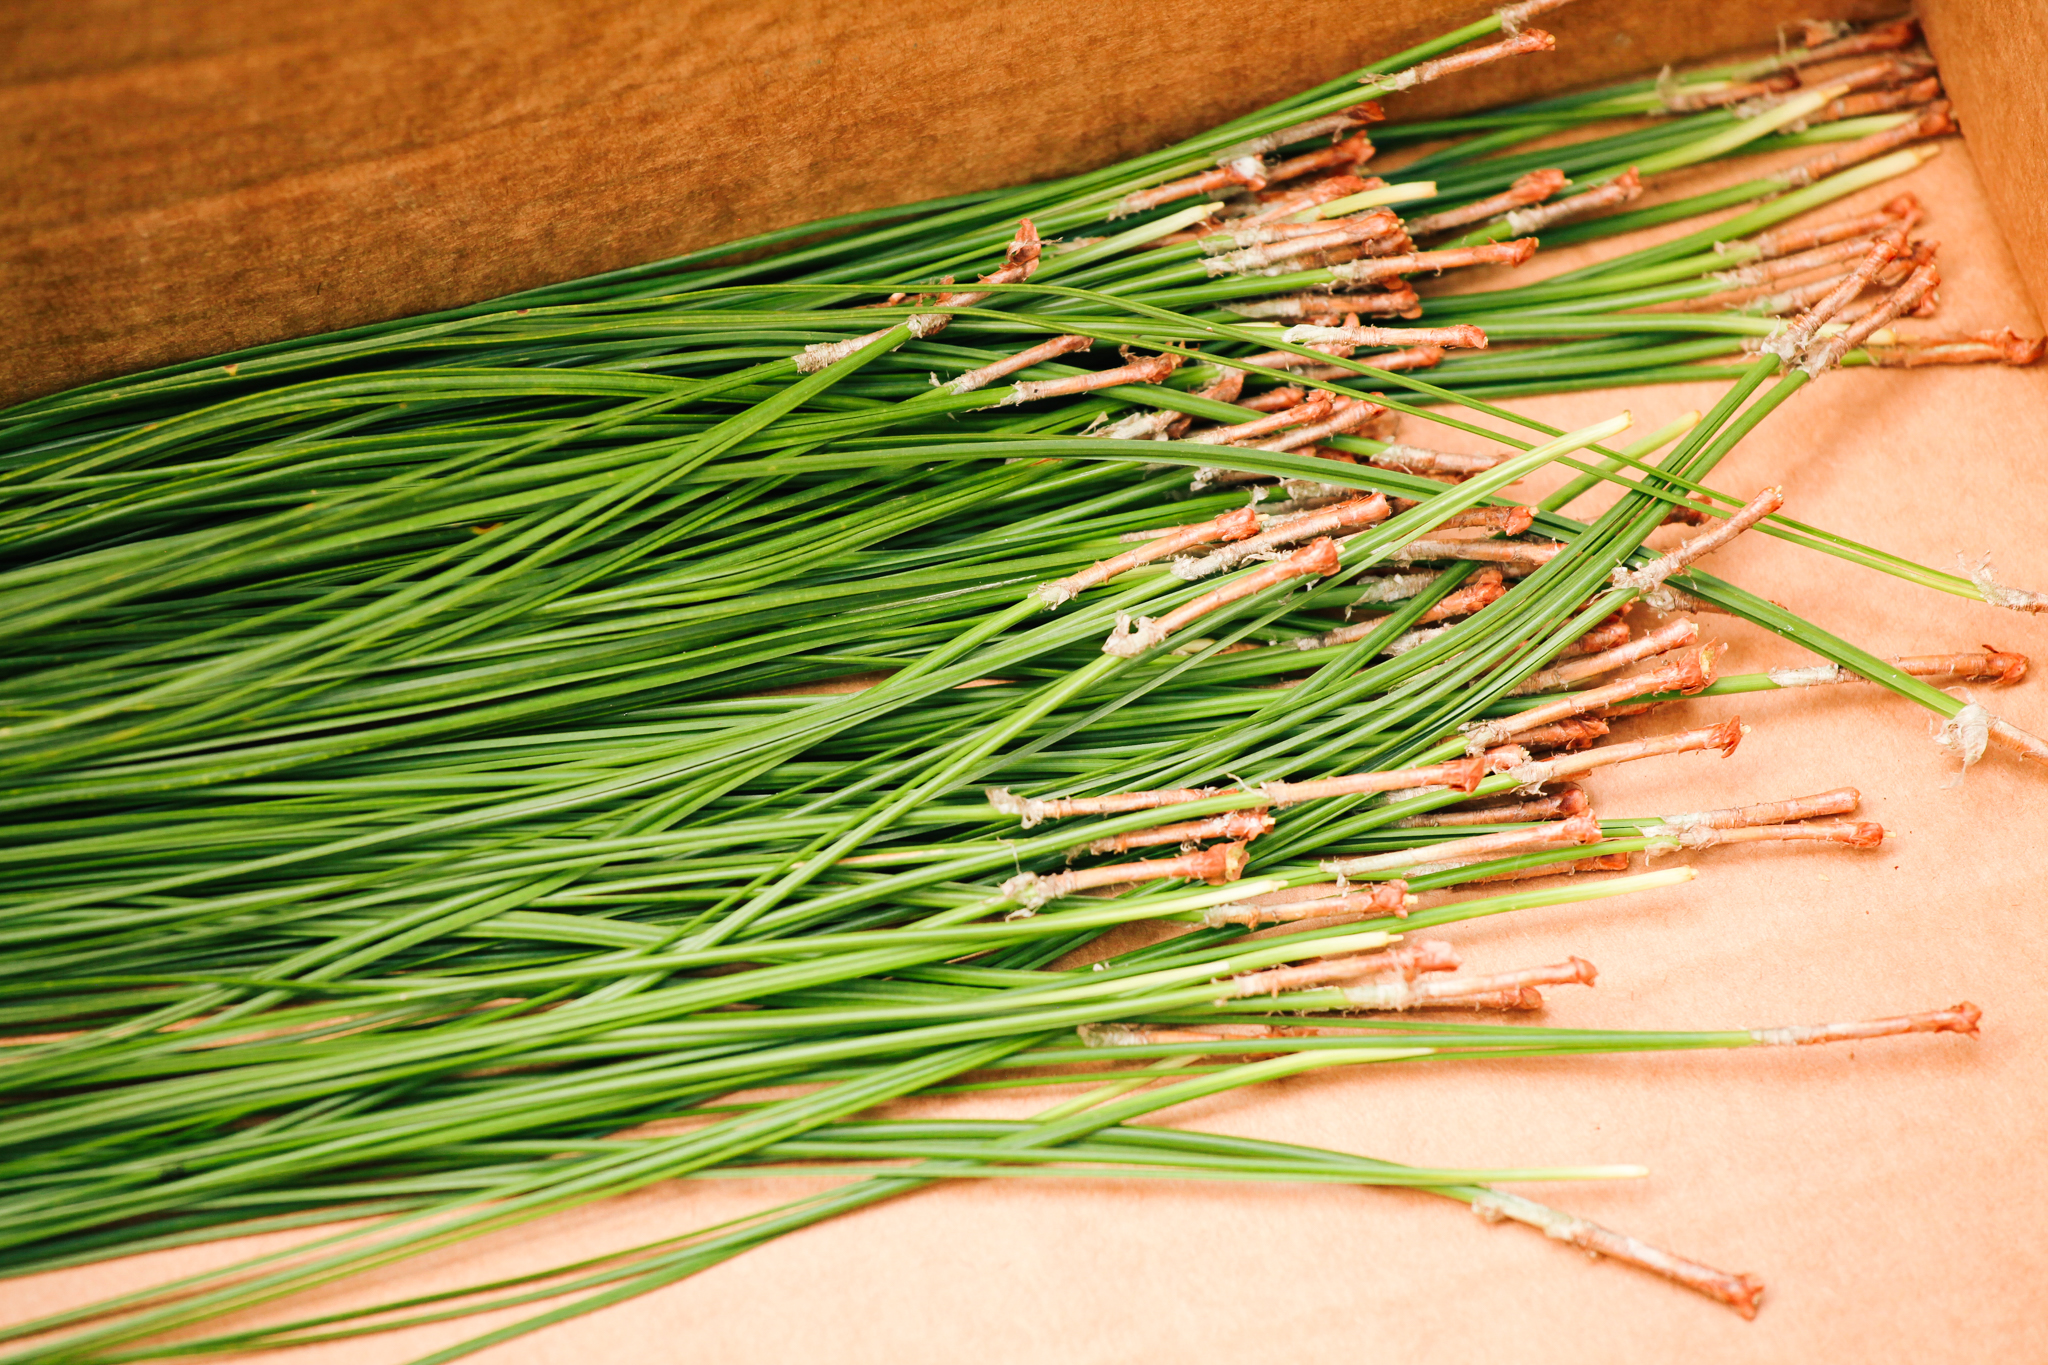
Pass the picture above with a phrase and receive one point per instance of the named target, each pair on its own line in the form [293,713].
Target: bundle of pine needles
[417,782]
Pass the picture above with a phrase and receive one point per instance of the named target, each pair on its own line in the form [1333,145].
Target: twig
[1464,336]
[1575,733]
[1332,900]
[1579,829]
[1216,865]
[1393,303]
[1010,364]
[1247,171]
[1460,774]
[1840,801]
[1345,516]
[1788,341]
[1561,804]
[1149,370]
[1435,262]
[1485,589]
[1316,407]
[1495,990]
[1934,121]
[1623,189]
[1854,833]
[1032,812]
[1241,825]
[1962,1019]
[1662,640]
[1605,862]
[1740,1292]
[1724,737]
[1826,354]
[1533,554]
[1532,188]
[1233,525]
[1520,42]
[1131,639]
[2003,347]
[1904,208]
[1648,581]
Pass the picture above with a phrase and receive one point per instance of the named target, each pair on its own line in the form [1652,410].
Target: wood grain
[184,178]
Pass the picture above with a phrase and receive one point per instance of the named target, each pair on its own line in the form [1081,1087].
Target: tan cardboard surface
[1892,1195]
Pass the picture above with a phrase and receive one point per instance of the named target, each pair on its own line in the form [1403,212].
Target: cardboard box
[185,178]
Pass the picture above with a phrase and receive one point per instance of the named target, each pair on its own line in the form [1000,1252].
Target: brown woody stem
[1886,37]
[1031,812]
[1532,188]
[1314,195]
[1322,901]
[1675,635]
[1022,360]
[1495,988]
[1150,370]
[1765,245]
[1605,862]
[1533,554]
[2003,347]
[1562,804]
[1934,122]
[1622,189]
[1840,801]
[1281,246]
[1681,101]
[1740,1292]
[1246,171]
[1216,865]
[1794,336]
[1519,42]
[1877,101]
[1506,521]
[1461,774]
[1961,1018]
[1403,963]
[1648,581]
[1485,589]
[1240,825]
[1575,733]
[1272,400]
[1233,525]
[1338,155]
[1345,516]
[1992,666]
[1609,634]
[1019,260]
[1409,358]
[1918,286]
[1316,407]
[1435,262]
[1131,639]
[1463,336]
[1579,829]
[1394,303]
[1724,737]
[1797,263]
[1854,833]
[1348,417]
[1695,670]
[1343,119]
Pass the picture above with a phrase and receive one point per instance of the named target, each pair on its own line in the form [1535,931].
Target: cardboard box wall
[183,178]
